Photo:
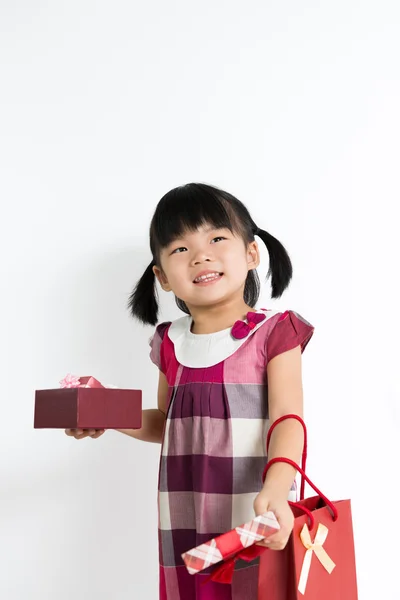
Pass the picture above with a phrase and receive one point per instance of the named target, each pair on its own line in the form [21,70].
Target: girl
[227,371]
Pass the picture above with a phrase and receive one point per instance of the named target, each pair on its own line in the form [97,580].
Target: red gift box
[84,403]
[231,546]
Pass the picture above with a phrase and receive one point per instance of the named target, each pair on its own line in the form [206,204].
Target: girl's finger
[277,537]
[79,434]
[263,544]
[278,545]
[276,548]
[98,433]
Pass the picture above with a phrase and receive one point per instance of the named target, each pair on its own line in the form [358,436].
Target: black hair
[186,208]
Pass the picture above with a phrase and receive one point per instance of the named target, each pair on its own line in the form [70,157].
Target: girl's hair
[188,207]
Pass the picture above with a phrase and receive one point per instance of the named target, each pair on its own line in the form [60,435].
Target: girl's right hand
[79,434]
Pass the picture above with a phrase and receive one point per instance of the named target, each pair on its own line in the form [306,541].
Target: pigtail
[280,266]
[143,301]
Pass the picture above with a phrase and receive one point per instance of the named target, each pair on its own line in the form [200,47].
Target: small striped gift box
[228,544]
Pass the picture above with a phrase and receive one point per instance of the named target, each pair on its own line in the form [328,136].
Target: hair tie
[257,231]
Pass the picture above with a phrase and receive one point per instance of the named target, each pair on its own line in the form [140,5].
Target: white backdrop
[294,108]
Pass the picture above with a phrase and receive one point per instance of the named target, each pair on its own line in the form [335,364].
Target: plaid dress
[213,450]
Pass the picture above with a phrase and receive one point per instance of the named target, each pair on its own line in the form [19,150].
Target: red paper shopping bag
[318,562]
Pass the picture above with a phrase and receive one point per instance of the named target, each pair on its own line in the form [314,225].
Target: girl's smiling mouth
[207,277]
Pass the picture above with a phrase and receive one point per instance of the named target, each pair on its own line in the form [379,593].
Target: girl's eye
[183,248]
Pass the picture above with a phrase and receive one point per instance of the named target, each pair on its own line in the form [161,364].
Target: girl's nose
[202,256]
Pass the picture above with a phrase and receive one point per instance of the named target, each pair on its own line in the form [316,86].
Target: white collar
[207,349]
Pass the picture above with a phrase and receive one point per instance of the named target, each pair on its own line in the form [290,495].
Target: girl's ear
[162,279]
[253,255]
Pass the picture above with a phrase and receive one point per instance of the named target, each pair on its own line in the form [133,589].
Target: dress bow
[241,329]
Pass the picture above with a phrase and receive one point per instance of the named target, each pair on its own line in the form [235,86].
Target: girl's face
[206,266]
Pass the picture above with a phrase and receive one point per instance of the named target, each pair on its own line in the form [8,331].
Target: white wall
[291,106]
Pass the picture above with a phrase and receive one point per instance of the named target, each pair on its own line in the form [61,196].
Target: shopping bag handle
[283,459]
[305,510]
[304,454]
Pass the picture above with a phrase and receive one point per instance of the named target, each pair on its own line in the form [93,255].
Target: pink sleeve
[155,342]
[290,330]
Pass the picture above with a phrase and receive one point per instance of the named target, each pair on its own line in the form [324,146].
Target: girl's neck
[210,319]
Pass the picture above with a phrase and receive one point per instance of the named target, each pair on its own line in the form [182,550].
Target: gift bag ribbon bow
[241,329]
[320,552]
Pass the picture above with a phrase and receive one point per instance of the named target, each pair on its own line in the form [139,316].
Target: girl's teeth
[207,277]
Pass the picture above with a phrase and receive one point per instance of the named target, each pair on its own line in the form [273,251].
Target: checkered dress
[213,450]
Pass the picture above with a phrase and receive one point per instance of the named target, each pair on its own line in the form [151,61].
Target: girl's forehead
[205,228]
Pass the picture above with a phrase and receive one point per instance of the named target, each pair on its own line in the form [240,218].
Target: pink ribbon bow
[241,329]
[72,381]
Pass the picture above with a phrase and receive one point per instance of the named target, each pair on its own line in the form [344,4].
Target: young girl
[227,371]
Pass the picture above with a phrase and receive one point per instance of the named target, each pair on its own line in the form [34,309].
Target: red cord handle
[308,512]
[300,470]
[304,455]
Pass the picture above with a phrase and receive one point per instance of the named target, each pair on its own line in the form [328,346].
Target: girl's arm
[153,419]
[285,396]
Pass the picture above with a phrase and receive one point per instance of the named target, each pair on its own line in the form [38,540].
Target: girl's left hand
[264,502]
